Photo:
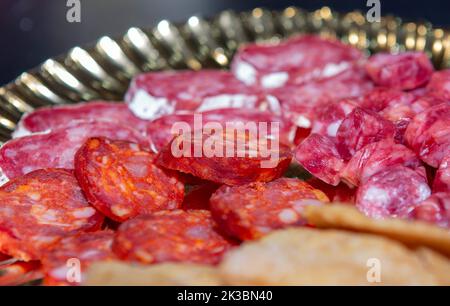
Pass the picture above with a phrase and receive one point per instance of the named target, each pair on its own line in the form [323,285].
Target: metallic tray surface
[103,69]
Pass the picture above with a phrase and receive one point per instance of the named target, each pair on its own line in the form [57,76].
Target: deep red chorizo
[232,157]
[171,236]
[120,179]
[250,211]
[83,249]
[39,208]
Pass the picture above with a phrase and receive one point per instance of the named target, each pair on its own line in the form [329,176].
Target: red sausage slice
[76,252]
[39,208]
[57,148]
[251,211]
[232,157]
[406,70]
[49,118]
[393,192]
[120,179]
[171,236]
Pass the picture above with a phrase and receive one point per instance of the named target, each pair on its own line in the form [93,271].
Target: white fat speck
[148,107]
[274,104]
[34,196]
[333,128]
[333,69]
[105,160]
[245,73]
[424,192]
[28,169]
[274,80]
[288,216]
[59,273]
[302,121]
[22,131]
[120,211]
[3,178]
[83,213]
[380,196]
[226,101]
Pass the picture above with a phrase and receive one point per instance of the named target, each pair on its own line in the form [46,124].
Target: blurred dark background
[33,30]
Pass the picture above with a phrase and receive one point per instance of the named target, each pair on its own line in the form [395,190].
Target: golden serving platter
[104,69]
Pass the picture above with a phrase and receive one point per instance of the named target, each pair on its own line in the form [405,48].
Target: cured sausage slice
[39,208]
[120,179]
[57,148]
[378,156]
[380,98]
[160,130]
[407,70]
[428,134]
[155,94]
[49,118]
[230,156]
[360,128]
[439,85]
[442,179]
[251,211]
[330,116]
[171,236]
[435,209]
[392,192]
[295,61]
[319,156]
[73,252]
[299,102]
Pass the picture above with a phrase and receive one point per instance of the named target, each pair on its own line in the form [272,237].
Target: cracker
[411,233]
[115,273]
[302,256]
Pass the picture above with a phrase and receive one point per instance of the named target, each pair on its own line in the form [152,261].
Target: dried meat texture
[330,116]
[393,192]
[229,156]
[163,130]
[435,210]
[439,85]
[294,61]
[376,157]
[428,134]
[441,181]
[41,207]
[171,236]
[319,156]
[405,71]
[197,197]
[80,250]
[57,148]
[380,98]
[251,211]
[49,118]
[155,94]
[360,128]
[299,103]
[120,179]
